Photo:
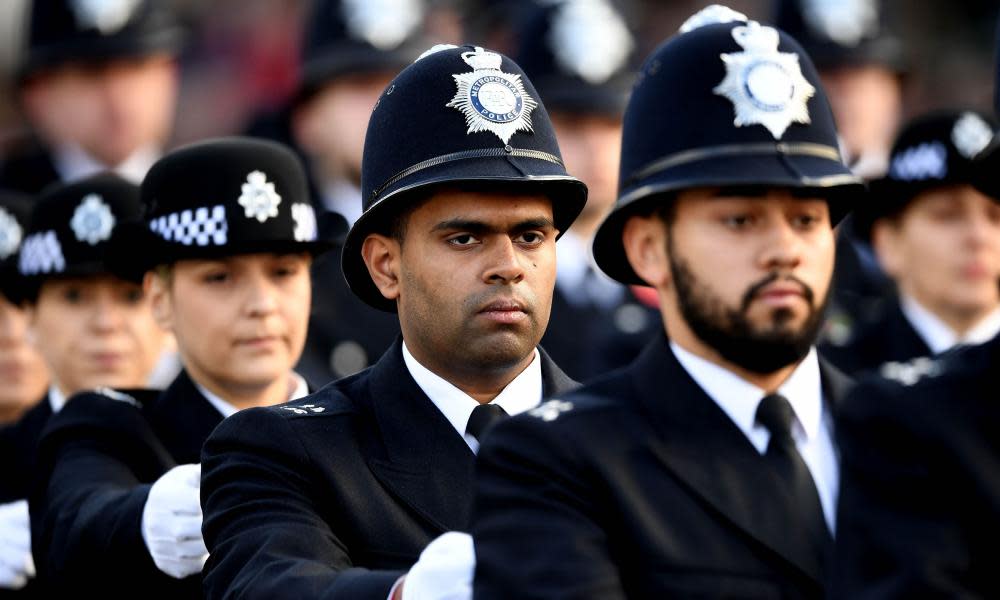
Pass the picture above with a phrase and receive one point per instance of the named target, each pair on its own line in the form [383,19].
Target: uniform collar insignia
[92,220]
[258,198]
[765,86]
[490,99]
[10,234]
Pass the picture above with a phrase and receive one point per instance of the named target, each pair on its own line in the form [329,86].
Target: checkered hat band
[204,226]
[41,253]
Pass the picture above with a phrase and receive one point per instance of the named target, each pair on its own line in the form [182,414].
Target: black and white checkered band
[41,253]
[200,226]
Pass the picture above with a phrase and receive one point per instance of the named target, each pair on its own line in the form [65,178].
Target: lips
[504,311]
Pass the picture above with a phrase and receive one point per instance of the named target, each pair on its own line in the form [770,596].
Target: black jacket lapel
[708,452]
[554,381]
[414,451]
[183,419]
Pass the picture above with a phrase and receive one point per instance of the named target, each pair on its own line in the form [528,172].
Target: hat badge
[10,234]
[259,199]
[92,220]
[590,40]
[490,99]
[106,16]
[971,134]
[765,86]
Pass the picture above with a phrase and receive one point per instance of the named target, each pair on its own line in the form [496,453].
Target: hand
[171,522]
[16,564]
[443,572]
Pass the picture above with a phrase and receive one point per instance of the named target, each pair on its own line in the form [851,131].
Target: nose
[262,298]
[783,247]
[107,314]
[505,263]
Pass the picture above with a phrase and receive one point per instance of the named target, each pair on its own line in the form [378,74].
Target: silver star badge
[106,16]
[10,234]
[92,220]
[259,199]
[490,99]
[765,86]
[971,134]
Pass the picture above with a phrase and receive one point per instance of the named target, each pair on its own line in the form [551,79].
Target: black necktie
[776,414]
[483,417]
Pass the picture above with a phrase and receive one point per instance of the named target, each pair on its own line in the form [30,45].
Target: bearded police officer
[706,468]
[223,252]
[336,495]
[938,237]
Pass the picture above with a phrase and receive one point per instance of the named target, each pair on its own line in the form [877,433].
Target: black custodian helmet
[726,102]
[458,116]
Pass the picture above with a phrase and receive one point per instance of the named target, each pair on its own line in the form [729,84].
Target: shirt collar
[739,398]
[299,390]
[523,393]
[57,399]
[73,163]
[937,335]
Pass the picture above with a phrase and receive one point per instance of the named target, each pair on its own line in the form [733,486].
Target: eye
[738,221]
[133,295]
[286,270]
[463,239]
[215,277]
[805,220]
[72,295]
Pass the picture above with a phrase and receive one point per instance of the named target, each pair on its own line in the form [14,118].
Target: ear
[381,255]
[645,241]
[886,242]
[157,288]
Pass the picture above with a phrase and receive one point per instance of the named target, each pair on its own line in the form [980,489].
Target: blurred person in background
[577,52]
[938,238]
[97,86]
[225,263]
[351,50]
[23,375]
[91,328]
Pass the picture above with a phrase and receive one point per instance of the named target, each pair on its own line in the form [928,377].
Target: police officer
[336,495]
[91,327]
[351,50]
[578,54]
[225,247]
[938,237]
[706,468]
[98,87]
[24,377]
[920,499]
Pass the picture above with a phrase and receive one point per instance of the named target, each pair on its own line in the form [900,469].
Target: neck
[242,396]
[959,319]
[483,385]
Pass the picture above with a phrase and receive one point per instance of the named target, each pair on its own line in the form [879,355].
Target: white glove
[16,564]
[171,522]
[444,570]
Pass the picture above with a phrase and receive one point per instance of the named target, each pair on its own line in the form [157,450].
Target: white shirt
[812,429]
[937,335]
[578,277]
[57,399]
[343,198]
[73,163]
[226,409]
[521,394]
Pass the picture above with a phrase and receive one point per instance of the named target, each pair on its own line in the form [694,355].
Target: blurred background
[241,55]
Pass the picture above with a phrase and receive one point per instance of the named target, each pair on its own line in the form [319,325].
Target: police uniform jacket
[919,512]
[18,445]
[97,460]
[636,486]
[886,336]
[335,495]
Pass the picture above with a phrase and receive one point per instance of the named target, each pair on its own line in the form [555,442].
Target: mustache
[756,288]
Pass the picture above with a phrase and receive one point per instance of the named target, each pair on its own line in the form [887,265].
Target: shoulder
[106,408]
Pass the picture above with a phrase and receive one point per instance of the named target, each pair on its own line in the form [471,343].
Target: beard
[730,332]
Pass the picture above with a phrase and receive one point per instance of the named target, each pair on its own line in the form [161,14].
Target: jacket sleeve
[97,459]
[536,520]
[898,532]
[263,525]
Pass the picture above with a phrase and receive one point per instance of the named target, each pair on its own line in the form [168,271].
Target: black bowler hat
[217,198]
[842,33]
[358,36]
[724,103]
[62,31]
[931,151]
[577,53]
[458,116]
[15,209]
[71,228]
